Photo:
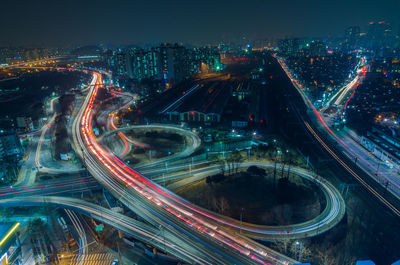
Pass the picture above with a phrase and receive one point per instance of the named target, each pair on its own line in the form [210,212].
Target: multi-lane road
[160,206]
[63,186]
[315,123]
[204,237]
[329,217]
[156,236]
[192,142]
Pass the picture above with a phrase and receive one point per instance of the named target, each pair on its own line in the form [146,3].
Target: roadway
[27,174]
[192,142]
[110,125]
[64,186]
[155,236]
[332,214]
[60,167]
[83,245]
[387,177]
[341,151]
[329,217]
[33,161]
[159,206]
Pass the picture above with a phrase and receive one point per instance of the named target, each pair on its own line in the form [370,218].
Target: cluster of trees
[343,244]
[215,178]
[36,227]
[64,104]
[62,144]
[11,171]
[325,253]
[278,151]
[254,170]
[230,163]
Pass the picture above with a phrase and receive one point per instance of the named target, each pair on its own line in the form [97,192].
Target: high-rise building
[175,62]
[379,35]
[205,59]
[169,63]
[318,48]
[145,64]
[121,63]
[352,36]
[108,58]
[379,30]
[289,46]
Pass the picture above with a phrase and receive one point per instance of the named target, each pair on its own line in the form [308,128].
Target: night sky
[72,22]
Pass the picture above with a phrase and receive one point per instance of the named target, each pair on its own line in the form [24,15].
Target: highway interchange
[154,203]
[191,233]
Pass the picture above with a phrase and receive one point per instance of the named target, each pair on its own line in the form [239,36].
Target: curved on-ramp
[328,218]
[192,144]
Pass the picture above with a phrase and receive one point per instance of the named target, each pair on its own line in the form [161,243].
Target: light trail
[353,84]
[85,183]
[125,139]
[132,227]
[360,179]
[83,246]
[348,100]
[125,142]
[153,193]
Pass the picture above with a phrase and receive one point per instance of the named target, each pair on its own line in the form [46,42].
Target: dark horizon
[70,23]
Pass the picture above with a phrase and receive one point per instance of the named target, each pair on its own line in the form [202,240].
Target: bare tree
[222,166]
[283,169]
[283,245]
[220,205]
[288,171]
[223,204]
[237,159]
[325,257]
[301,251]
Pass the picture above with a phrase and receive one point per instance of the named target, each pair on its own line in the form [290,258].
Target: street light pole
[300,244]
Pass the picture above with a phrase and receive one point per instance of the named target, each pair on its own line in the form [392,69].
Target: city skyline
[214,133]
[49,23]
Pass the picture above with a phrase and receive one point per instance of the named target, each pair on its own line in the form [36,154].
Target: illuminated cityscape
[170,132]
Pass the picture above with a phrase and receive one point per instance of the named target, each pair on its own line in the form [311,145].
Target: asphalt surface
[156,205]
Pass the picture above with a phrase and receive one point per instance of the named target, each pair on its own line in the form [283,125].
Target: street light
[300,248]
